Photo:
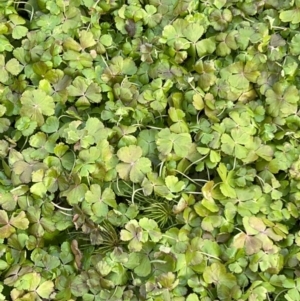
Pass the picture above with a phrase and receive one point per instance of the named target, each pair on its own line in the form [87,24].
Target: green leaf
[76,193]
[292,294]
[193,32]
[294,45]
[134,234]
[5,44]
[167,141]
[35,104]
[19,32]
[79,286]
[146,140]
[3,217]
[234,144]
[198,102]
[174,184]
[144,267]
[38,189]
[8,201]
[29,281]
[25,169]
[209,223]
[3,265]
[205,46]
[51,125]
[4,125]
[13,67]
[135,167]
[192,297]
[106,40]
[175,34]
[292,16]
[4,76]
[99,201]
[251,244]
[227,185]
[216,273]
[210,205]
[282,100]
[45,289]
[152,228]
[119,66]
[84,91]
[86,39]
[26,126]
[219,3]
[19,221]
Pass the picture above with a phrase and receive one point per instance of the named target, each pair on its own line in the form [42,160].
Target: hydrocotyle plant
[149,150]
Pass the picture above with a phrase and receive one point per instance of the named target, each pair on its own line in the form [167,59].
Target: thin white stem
[26,140]
[62,208]
[239,229]
[199,160]
[221,112]
[234,163]
[193,181]
[211,256]
[167,236]
[30,12]
[217,185]
[68,116]
[279,27]
[64,213]
[193,192]
[158,261]
[96,3]
[160,116]
[160,168]
[262,182]
[200,180]
[208,175]
[147,126]
[133,194]
[74,161]
[283,291]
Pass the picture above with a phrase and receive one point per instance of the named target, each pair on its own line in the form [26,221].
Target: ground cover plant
[149,150]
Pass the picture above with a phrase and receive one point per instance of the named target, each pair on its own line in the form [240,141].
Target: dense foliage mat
[149,150]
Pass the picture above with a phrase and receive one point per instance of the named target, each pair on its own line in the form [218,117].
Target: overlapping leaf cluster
[149,150]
